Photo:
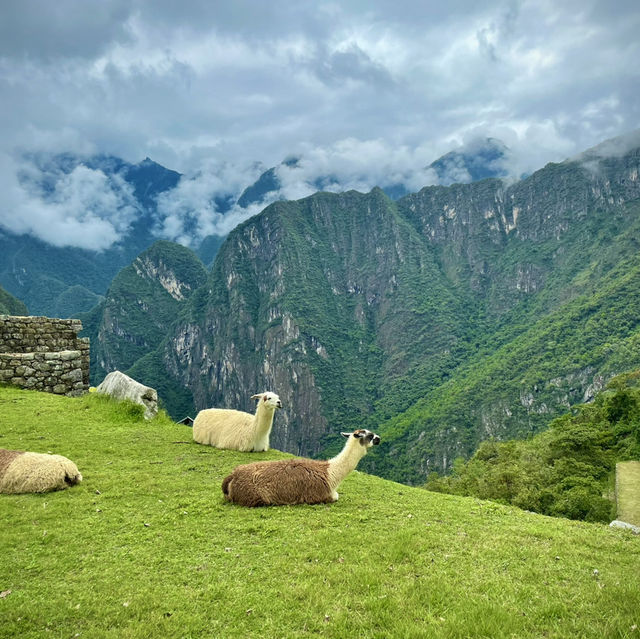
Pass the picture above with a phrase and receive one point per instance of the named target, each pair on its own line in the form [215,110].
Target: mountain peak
[614,147]
[478,159]
[148,162]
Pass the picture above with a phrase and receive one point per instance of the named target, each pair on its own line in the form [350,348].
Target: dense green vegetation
[146,547]
[528,371]
[41,274]
[567,470]
[141,303]
[9,305]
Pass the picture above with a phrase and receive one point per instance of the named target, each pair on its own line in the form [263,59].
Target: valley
[444,318]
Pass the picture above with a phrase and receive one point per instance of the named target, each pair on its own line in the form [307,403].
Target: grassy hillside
[146,547]
[628,491]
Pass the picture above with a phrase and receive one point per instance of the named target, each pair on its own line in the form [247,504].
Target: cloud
[356,164]
[612,148]
[61,29]
[206,203]
[365,91]
[82,208]
[198,205]
[351,64]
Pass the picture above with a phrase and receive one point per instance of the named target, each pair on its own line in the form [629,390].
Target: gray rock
[623,524]
[121,386]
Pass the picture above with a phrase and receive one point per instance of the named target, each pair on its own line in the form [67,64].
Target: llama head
[268,399]
[364,437]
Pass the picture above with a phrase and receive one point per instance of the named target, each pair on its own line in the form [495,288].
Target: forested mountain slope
[62,281]
[140,306]
[568,470]
[9,305]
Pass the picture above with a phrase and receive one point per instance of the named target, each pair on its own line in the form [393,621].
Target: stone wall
[44,354]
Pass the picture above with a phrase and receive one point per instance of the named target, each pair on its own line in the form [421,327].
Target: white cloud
[367,91]
[356,164]
[189,212]
[615,147]
[83,208]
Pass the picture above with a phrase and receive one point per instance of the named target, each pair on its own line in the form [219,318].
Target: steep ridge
[140,306]
[294,297]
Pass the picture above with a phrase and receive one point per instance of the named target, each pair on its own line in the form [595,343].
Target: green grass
[628,491]
[146,547]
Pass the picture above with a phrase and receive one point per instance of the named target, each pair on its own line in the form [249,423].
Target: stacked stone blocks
[44,354]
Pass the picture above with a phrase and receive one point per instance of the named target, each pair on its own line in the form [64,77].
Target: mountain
[9,305]
[477,160]
[64,281]
[565,291]
[442,319]
[140,305]
[267,183]
[54,281]
[453,315]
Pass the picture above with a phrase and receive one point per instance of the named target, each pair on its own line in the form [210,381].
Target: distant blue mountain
[149,179]
[267,183]
[476,161]
[63,281]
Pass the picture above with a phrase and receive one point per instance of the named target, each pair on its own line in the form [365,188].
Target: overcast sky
[367,88]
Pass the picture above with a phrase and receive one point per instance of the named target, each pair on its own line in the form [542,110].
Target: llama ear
[347,435]
[256,396]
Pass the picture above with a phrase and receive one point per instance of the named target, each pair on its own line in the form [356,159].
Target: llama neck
[343,463]
[263,419]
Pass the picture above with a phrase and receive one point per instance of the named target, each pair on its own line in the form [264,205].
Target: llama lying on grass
[24,472]
[297,481]
[234,429]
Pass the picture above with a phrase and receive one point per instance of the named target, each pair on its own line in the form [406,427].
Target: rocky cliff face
[141,304]
[472,223]
[283,288]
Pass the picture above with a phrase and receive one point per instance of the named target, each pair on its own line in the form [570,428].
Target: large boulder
[121,386]
[623,524]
